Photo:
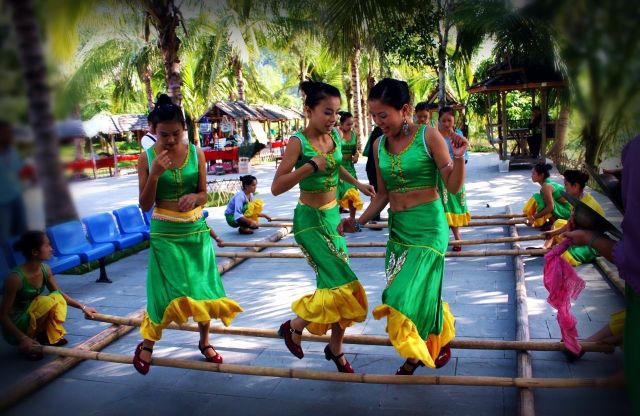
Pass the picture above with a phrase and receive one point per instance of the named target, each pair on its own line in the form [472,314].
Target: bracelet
[314,165]
[459,157]
[83,307]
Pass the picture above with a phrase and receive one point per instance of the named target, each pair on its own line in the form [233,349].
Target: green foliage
[410,38]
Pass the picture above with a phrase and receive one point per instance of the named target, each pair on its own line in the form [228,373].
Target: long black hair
[344,116]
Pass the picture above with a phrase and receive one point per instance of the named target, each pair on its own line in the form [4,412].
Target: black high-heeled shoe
[142,366]
[286,332]
[346,368]
[402,371]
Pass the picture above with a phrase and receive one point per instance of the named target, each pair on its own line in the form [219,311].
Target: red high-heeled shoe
[215,359]
[443,357]
[346,368]
[286,332]
[142,366]
[402,371]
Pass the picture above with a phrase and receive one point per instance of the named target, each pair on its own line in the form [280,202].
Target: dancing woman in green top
[28,316]
[182,279]
[549,205]
[316,155]
[409,158]
[348,195]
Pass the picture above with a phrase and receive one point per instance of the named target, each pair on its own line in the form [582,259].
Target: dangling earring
[405,127]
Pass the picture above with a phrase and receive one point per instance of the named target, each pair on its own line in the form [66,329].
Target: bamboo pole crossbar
[365,339]
[360,244]
[475,217]
[380,254]
[342,377]
[381,225]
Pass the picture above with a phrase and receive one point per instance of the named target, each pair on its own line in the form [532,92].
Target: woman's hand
[355,157]
[187,202]
[459,144]
[530,221]
[321,162]
[89,311]
[219,241]
[347,225]
[161,163]
[579,237]
[268,218]
[368,190]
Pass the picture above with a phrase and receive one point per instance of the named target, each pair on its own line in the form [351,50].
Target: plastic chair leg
[103,273]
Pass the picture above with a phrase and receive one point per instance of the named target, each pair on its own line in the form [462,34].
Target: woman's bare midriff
[316,200]
[170,205]
[400,201]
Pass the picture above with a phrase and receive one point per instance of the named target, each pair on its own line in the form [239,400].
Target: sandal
[403,371]
[456,248]
[142,366]
[215,359]
[343,368]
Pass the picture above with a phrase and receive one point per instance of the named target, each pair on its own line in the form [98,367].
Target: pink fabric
[563,284]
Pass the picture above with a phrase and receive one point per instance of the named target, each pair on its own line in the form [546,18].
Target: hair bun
[163,99]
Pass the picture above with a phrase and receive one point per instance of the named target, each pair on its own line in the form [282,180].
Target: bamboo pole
[384,225]
[384,244]
[527,403]
[474,216]
[475,344]
[342,377]
[610,274]
[52,370]
[381,254]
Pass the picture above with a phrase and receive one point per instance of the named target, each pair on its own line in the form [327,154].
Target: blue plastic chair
[131,221]
[147,216]
[58,264]
[102,228]
[69,238]
[205,213]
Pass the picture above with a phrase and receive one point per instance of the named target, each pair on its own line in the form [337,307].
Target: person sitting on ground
[545,207]
[28,317]
[243,210]
[574,182]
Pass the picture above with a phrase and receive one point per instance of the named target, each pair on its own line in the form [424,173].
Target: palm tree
[58,203]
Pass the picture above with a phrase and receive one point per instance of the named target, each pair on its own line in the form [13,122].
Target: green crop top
[411,169]
[557,189]
[176,183]
[349,147]
[28,293]
[320,182]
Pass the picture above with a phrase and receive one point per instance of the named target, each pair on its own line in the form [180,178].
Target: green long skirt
[339,297]
[183,279]
[455,205]
[418,321]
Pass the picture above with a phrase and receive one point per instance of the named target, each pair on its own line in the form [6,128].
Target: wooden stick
[384,225]
[527,404]
[384,244]
[380,254]
[343,377]
[474,216]
[48,372]
[475,344]
[611,274]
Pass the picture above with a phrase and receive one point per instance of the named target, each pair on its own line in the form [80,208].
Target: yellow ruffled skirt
[48,313]
[351,196]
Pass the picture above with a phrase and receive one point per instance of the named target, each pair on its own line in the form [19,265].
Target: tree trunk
[443,37]
[165,17]
[148,90]
[355,90]
[237,69]
[58,204]
[561,132]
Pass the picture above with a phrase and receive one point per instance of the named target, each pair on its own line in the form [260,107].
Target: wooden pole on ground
[342,377]
[474,344]
[610,274]
[384,244]
[527,404]
[473,216]
[51,371]
[384,225]
[380,254]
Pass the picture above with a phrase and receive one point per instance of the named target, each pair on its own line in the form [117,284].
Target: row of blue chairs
[92,238]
